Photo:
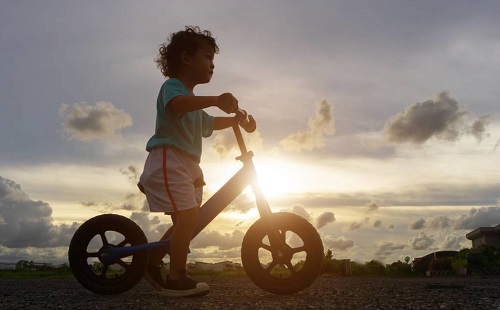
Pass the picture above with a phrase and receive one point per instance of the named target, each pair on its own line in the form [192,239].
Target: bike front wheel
[102,232]
[289,263]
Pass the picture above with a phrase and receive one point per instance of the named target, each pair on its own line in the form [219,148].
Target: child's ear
[185,58]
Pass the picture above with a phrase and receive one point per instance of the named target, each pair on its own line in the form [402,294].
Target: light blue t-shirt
[183,131]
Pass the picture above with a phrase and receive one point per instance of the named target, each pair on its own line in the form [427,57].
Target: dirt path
[240,293]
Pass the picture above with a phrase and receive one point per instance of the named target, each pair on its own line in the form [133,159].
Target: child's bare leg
[180,239]
[157,255]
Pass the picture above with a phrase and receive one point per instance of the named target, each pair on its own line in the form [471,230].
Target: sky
[377,121]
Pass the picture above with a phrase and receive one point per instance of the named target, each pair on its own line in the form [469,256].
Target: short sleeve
[207,124]
[171,89]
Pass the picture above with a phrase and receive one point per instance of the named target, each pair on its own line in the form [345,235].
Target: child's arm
[226,102]
[224,122]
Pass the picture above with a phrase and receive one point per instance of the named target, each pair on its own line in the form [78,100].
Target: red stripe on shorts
[165,179]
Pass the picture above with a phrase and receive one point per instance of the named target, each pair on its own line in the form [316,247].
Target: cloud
[216,239]
[132,173]
[440,222]
[29,223]
[419,224]
[341,243]
[324,218]
[319,126]
[422,241]
[358,225]
[442,118]
[452,242]
[154,227]
[371,207]
[86,122]
[386,249]
[225,142]
[301,211]
[478,128]
[482,217]
[242,203]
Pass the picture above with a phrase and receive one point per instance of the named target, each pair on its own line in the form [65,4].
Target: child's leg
[157,256]
[181,238]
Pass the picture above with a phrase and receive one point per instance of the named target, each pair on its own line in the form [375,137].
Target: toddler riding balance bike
[281,252]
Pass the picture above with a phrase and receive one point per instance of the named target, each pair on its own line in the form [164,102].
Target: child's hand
[227,103]
[248,123]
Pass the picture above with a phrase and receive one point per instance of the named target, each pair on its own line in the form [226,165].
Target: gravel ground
[240,293]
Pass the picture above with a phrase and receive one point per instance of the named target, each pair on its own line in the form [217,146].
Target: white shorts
[171,181]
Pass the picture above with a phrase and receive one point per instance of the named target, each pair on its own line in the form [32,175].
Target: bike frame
[247,175]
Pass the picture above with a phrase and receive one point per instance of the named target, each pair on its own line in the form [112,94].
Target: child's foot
[184,287]
[153,276]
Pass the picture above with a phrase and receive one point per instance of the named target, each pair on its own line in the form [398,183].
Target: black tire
[107,230]
[271,270]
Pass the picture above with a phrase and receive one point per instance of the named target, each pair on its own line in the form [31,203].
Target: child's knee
[187,218]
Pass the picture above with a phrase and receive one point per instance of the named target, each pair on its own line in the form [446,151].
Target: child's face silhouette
[202,64]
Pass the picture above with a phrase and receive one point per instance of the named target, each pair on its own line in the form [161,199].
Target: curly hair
[189,40]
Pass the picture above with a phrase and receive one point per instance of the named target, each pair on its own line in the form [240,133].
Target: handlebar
[246,119]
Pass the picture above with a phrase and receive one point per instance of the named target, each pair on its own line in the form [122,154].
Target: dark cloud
[419,224]
[132,173]
[28,223]
[422,241]
[442,118]
[371,207]
[478,128]
[340,244]
[324,218]
[377,224]
[358,225]
[386,249]
[481,217]
[319,126]
[85,122]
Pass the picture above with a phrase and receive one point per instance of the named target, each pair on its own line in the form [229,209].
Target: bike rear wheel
[101,232]
[289,265]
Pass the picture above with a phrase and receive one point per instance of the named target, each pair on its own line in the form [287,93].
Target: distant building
[221,266]
[485,235]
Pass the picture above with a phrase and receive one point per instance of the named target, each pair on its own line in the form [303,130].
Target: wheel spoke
[93,254]
[266,247]
[104,239]
[104,271]
[290,267]
[271,266]
[298,250]
[282,234]
[121,244]
[123,264]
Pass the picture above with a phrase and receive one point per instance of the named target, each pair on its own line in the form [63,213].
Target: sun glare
[277,178]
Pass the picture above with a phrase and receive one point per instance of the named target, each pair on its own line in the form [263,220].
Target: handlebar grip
[246,120]
[247,123]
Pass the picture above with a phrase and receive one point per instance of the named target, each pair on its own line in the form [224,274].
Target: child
[172,179]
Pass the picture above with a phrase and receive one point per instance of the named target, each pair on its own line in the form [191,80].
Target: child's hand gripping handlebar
[246,121]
